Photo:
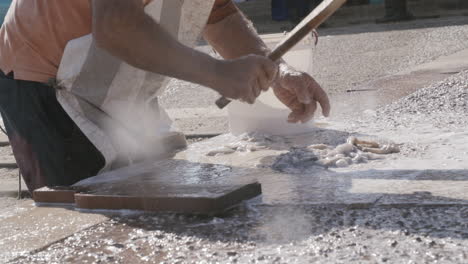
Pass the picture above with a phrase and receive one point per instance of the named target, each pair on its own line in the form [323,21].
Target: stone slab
[9,187]
[375,183]
[363,186]
[411,192]
[3,137]
[26,228]
[8,162]
[372,184]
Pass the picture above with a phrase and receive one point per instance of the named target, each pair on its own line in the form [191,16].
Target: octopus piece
[385,149]
[221,151]
[342,163]
[318,147]
[328,162]
[362,143]
[373,147]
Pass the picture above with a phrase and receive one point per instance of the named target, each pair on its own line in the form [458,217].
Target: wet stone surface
[261,234]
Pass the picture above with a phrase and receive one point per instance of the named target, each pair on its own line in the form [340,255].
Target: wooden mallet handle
[311,22]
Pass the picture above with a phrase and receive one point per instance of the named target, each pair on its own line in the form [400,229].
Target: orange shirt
[35,33]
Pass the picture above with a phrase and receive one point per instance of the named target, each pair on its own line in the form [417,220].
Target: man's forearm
[127,32]
[235,36]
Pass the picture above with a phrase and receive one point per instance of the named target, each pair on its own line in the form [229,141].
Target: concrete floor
[408,207]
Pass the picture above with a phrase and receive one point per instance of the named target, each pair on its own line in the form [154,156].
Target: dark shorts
[49,148]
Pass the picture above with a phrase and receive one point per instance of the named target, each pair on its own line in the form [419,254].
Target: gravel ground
[443,104]
[377,54]
[5,173]
[7,202]
[273,235]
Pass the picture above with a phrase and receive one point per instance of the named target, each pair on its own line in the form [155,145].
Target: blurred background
[272,16]
[4,4]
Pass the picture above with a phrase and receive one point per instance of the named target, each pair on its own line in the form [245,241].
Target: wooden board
[58,195]
[195,199]
[198,199]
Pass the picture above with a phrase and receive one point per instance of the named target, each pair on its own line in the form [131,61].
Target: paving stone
[8,162]
[364,187]
[29,228]
[9,187]
[4,141]
[368,185]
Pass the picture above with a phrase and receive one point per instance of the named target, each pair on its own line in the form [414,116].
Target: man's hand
[300,92]
[295,89]
[245,78]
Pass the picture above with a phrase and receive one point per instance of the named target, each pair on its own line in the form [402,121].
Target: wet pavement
[25,228]
[390,210]
[289,234]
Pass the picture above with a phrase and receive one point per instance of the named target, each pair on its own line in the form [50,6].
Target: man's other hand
[300,93]
[245,78]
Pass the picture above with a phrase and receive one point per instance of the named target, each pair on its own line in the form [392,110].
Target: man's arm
[123,29]
[232,35]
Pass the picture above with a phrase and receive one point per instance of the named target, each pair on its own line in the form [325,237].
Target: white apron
[115,104]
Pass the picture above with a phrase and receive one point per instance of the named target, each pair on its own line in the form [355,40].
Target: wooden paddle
[311,22]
